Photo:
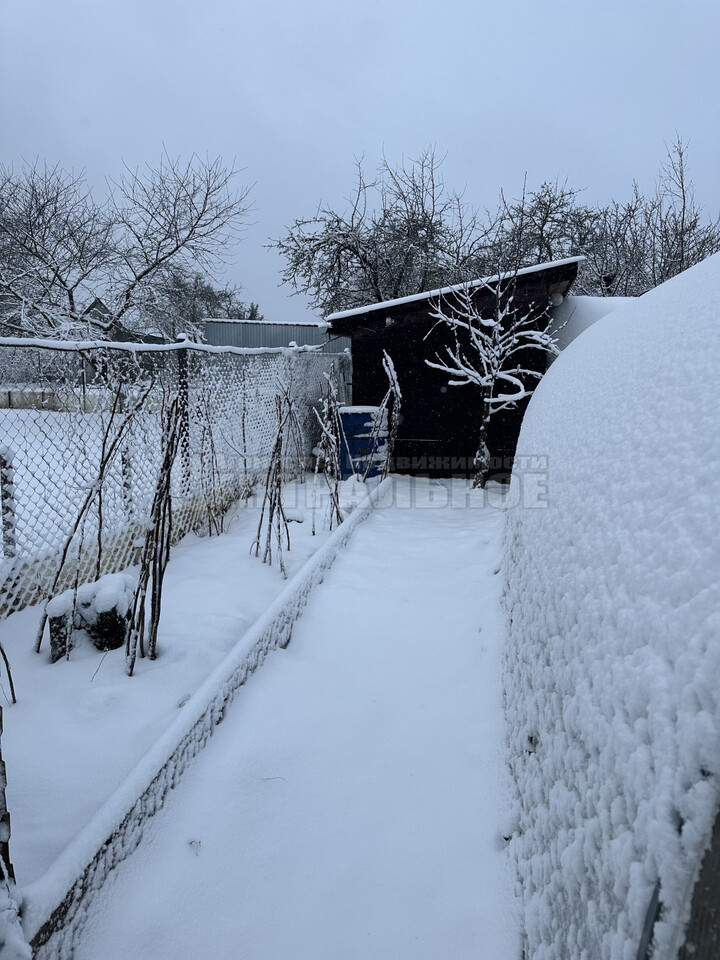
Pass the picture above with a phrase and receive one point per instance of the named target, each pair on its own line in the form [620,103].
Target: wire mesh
[80,448]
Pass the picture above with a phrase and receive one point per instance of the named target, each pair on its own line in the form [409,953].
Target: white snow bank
[576,314]
[613,603]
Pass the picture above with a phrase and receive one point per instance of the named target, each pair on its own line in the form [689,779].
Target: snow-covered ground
[613,596]
[80,725]
[351,804]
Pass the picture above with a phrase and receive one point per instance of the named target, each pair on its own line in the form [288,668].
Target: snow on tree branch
[487,350]
[62,251]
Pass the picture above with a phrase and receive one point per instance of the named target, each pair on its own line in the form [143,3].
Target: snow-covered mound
[576,314]
[613,603]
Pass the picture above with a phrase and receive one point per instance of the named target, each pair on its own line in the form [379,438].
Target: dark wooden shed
[439,423]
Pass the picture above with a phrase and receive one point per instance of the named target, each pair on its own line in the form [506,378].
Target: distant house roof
[416,298]
[266,333]
[265,323]
[97,310]
[101,314]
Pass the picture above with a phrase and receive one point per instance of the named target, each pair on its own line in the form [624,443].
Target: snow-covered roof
[265,323]
[444,291]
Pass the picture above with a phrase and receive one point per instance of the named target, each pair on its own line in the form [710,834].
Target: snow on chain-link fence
[81,447]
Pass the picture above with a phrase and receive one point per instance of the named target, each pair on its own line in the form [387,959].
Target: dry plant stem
[9,673]
[160,561]
[98,563]
[396,401]
[243,429]
[332,477]
[210,470]
[277,523]
[117,407]
[126,488]
[297,438]
[161,556]
[314,494]
[375,435]
[156,549]
[110,449]
[294,432]
[331,437]
[342,437]
[76,584]
[256,542]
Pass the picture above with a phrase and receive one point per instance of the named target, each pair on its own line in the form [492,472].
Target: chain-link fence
[81,441]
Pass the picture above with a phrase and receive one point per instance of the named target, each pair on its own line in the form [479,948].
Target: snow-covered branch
[486,349]
[61,249]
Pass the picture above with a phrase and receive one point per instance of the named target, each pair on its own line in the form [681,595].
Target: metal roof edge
[443,291]
[265,323]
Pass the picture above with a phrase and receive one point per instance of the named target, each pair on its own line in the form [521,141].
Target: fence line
[73,346]
[80,445]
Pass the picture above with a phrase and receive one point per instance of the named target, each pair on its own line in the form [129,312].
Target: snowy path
[350,804]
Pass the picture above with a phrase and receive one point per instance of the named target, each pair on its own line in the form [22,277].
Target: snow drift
[613,604]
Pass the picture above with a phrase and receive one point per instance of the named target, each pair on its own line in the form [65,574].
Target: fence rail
[81,436]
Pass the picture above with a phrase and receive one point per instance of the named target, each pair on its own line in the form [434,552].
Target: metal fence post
[184,411]
[7,502]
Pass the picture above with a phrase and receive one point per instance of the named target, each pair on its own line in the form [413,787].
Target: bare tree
[542,225]
[401,233]
[386,422]
[179,300]
[61,250]
[615,254]
[155,554]
[287,448]
[678,233]
[491,352]
[404,232]
[634,246]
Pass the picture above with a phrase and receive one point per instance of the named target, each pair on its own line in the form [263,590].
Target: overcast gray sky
[294,91]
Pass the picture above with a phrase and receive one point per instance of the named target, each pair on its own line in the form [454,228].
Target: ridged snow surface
[613,604]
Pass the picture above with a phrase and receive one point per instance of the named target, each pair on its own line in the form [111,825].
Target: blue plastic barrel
[366,442]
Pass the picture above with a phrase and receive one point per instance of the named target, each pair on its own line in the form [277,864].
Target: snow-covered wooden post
[7,502]
[4,815]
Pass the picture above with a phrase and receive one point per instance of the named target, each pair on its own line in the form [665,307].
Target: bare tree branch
[60,249]
[487,351]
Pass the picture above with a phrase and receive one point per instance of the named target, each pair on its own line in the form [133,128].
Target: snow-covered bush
[613,604]
[101,609]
